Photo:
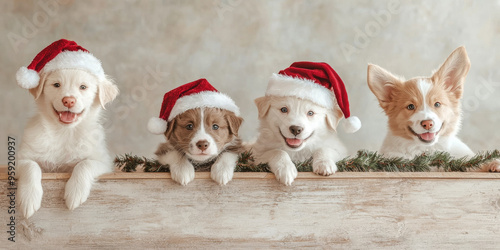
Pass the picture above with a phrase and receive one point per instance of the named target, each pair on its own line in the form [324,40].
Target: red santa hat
[62,54]
[197,94]
[316,82]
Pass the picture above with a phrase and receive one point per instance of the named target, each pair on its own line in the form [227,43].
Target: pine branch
[364,161]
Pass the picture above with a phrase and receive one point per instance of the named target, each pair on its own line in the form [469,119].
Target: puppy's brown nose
[427,124]
[296,129]
[202,145]
[69,101]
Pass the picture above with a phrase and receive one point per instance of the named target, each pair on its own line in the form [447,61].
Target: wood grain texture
[151,211]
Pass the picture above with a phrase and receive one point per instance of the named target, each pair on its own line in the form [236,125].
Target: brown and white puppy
[200,136]
[201,126]
[424,112]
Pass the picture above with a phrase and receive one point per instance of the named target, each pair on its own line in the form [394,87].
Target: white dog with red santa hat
[298,119]
[70,90]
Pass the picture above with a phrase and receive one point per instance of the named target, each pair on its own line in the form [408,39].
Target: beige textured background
[150,47]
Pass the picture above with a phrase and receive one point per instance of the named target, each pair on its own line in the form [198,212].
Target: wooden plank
[434,211]
[301,175]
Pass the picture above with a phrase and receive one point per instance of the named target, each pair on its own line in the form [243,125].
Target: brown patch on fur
[229,125]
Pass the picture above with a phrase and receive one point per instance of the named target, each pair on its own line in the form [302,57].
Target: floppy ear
[333,117]
[37,91]
[234,123]
[381,82]
[107,91]
[263,106]
[453,71]
[170,128]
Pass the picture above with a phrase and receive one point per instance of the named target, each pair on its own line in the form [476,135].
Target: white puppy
[294,130]
[298,119]
[65,135]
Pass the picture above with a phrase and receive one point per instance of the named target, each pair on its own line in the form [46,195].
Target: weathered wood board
[347,210]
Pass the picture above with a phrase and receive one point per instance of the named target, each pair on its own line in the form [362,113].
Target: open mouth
[67,117]
[426,137]
[294,142]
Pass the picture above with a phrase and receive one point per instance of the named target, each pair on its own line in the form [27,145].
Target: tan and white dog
[200,127]
[424,112]
[298,120]
[65,135]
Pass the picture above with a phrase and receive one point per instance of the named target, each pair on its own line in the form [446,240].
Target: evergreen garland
[364,161]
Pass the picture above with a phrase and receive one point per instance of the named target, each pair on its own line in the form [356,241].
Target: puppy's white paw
[324,167]
[182,174]
[286,173]
[223,169]
[76,192]
[30,198]
[221,174]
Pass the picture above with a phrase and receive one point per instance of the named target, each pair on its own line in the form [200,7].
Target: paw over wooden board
[346,210]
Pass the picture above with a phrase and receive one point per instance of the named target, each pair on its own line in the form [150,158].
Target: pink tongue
[294,142]
[67,117]
[427,136]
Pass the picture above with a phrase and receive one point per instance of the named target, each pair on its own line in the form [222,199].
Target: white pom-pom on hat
[157,125]
[27,78]
[352,124]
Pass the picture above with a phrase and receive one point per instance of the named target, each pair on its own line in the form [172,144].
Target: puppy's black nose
[296,130]
[202,145]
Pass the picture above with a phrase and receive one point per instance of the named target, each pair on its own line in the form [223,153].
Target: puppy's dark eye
[83,87]
[284,110]
[57,85]
[215,127]
[310,113]
[189,126]
[437,104]
[410,107]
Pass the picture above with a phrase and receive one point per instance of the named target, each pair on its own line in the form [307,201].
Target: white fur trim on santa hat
[352,124]
[283,85]
[207,99]
[157,125]
[76,60]
[27,78]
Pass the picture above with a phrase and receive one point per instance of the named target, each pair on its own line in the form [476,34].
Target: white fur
[50,146]
[282,85]
[181,170]
[322,144]
[395,146]
[223,169]
[207,99]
